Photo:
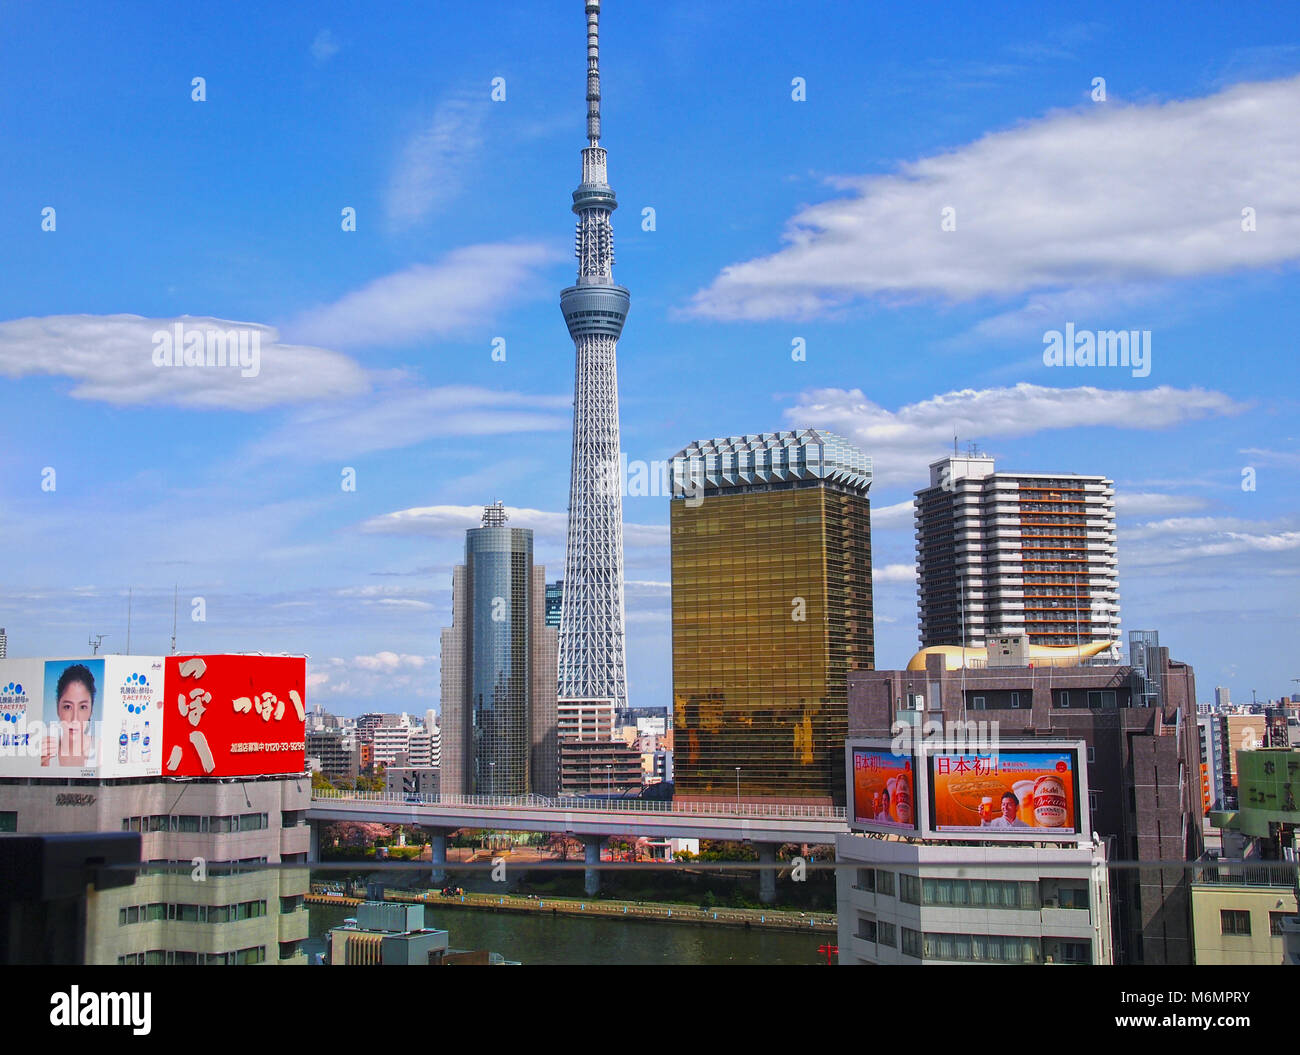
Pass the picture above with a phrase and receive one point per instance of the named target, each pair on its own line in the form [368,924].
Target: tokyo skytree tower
[591,661]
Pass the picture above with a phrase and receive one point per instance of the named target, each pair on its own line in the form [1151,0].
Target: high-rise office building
[1010,553]
[592,642]
[4,643]
[554,603]
[771,602]
[1222,697]
[498,668]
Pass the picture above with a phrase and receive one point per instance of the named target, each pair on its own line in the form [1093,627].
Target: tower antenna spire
[593,72]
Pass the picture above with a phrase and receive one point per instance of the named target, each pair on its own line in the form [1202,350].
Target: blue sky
[774,219]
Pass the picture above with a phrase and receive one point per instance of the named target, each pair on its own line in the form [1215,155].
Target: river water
[545,939]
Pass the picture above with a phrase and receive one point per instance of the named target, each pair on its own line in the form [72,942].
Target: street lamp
[737,785]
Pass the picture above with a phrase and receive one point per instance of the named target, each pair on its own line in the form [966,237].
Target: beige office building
[1238,914]
[215,905]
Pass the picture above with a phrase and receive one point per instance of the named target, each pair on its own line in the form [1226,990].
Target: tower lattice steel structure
[591,661]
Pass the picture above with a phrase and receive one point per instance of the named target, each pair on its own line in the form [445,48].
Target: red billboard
[234,716]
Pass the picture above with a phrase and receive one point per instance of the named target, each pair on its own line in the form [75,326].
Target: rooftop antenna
[95,641]
[129,594]
[175,594]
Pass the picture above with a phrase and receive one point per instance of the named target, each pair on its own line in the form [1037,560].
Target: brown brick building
[1143,759]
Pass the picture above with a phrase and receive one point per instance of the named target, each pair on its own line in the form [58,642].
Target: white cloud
[112,358]
[1106,194]
[465,289]
[1177,543]
[390,420]
[902,443]
[1263,456]
[324,47]
[1195,526]
[894,573]
[452,521]
[900,514]
[436,162]
[1133,503]
[391,661]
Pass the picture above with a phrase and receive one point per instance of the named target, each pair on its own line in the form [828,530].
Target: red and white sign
[234,716]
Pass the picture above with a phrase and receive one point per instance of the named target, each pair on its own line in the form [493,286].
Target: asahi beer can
[1050,810]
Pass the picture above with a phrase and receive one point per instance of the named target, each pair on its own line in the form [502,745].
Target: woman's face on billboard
[75,704]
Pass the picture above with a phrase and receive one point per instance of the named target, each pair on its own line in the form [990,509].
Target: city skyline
[377,345]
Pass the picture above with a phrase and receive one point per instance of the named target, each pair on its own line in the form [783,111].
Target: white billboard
[97,716]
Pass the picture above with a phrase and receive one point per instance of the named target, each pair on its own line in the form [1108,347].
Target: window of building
[1234,921]
[909,889]
[1060,697]
[885,934]
[1092,800]
[977,703]
[980,948]
[1015,700]
[1059,950]
[884,882]
[1092,754]
[8,820]
[911,942]
[866,879]
[981,893]
[1275,922]
[866,929]
[1065,893]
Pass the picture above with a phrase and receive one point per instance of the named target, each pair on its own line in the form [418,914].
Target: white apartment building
[420,752]
[392,738]
[914,903]
[435,738]
[1015,553]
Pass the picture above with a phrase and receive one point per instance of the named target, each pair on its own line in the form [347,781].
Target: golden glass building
[771,594]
